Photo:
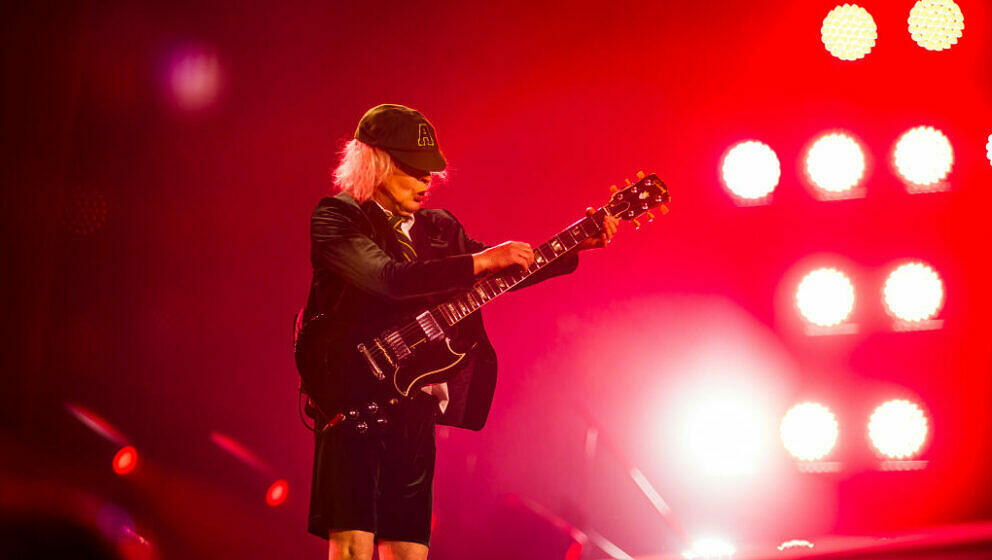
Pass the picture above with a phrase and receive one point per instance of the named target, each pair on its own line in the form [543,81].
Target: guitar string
[413,327]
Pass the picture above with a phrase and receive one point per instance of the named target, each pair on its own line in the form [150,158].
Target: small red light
[125,460]
[277,493]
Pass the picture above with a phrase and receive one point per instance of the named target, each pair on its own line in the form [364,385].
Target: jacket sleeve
[565,264]
[339,245]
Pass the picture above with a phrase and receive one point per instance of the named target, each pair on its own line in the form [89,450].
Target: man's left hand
[607,232]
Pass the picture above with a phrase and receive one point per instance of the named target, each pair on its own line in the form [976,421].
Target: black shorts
[383,484]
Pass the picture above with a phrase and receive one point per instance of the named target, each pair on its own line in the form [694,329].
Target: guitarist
[376,252]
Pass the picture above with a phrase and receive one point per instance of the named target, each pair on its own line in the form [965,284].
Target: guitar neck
[491,287]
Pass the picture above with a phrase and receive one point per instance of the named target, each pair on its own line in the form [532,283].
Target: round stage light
[751,170]
[125,460]
[194,77]
[835,163]
[725,436]
[709,548]
[936,25]
[848,32]
[809,431]
[85,211]
[277,493]
[924,156]
[913,292]
[825,297]
[898,429]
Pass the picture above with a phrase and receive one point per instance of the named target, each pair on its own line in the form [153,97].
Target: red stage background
[158,252]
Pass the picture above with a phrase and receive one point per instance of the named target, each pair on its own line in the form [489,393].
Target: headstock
[638,198]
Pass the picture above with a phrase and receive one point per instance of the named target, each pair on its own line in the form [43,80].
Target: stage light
[897,429]
[988,149]
[277,493]
[751,170]
[923,156]
[825,297]
[194,78]
[725,436]
[85,211]
[709,547]
[936,25]
[835,163]
[125,460]
[848,32]
[913,292]
[795,544]
[809,431]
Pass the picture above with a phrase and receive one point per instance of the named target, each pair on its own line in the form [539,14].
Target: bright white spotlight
[913,292]
[898,429]
[725,436]
[923,157]
[988,149]
[936,25]
[835,164]
[825,297]
[848,32]
[709,548]
[809,431]
[751,170]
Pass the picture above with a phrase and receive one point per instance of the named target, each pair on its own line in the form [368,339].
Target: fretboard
[491,287]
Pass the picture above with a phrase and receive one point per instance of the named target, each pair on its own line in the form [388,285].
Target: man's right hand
[503,255]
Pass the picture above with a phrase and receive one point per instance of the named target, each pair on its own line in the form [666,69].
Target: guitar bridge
[376,370]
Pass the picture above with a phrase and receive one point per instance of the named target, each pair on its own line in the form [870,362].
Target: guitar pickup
[430,326]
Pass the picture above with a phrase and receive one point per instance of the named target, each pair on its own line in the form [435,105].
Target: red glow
[125,460]
[574,552]
[239,451]
[277,493]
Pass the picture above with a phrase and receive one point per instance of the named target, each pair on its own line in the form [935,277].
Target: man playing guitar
[376,252]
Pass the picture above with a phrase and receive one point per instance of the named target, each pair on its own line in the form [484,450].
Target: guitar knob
[362,427]
[372,407]
[353,413]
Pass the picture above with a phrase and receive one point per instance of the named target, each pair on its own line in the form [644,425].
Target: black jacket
[358,271]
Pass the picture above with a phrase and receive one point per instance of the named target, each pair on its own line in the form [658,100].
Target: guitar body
[340,380]
[356,373]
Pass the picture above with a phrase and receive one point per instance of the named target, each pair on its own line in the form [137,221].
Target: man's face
[404,193]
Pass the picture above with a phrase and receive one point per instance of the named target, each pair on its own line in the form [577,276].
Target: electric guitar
[355,376]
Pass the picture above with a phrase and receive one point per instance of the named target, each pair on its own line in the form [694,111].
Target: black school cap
[404,133]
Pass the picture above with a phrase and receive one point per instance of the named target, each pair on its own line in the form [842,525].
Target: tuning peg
[640,174]
[663,209]
[650,217]
[627,181]
[613,188]
[637,225]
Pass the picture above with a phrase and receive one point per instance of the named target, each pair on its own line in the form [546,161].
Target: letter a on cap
[425,138]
